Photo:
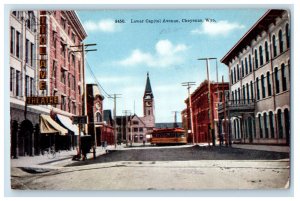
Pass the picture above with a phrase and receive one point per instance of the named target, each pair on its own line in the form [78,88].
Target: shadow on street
[184,154]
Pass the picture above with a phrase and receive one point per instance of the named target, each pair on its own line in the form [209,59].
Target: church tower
[148,100]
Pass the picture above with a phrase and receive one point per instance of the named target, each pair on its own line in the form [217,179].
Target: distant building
[259,66]
[135,128]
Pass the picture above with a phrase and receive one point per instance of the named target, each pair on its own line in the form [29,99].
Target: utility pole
[189,84]
[115,96]
[126,125]
[175,119]
[82,48]
[211,128]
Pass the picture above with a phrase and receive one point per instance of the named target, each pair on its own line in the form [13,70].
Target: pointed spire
[148,89]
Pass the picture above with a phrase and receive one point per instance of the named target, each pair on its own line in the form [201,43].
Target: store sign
[43,51]
[79,119]
[43,100]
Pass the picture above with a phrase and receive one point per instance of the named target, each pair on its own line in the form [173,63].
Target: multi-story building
[135,128]
[99,128]
[43,63]
[259,73]
[204,100]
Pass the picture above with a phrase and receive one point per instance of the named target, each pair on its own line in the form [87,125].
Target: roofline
[226,58]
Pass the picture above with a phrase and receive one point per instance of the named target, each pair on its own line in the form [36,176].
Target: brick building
[202,121]
[259,72]
[42,63]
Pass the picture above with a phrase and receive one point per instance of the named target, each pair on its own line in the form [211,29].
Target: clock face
[98,106]
[148,103]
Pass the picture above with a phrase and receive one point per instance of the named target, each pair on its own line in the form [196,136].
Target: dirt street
[151,168]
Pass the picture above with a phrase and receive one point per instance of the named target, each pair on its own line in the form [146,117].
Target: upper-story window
[234,75]
[12,40]
[269,84]
[277,80]
[256,59]
[246,65]
[257,89]
[263,88]
[250,63]
[231,74]
[238,72]
[287,35]
[261,57]
[267,51]
[243,71]
[280,41]
[274,46]
[63,23]
[283,77]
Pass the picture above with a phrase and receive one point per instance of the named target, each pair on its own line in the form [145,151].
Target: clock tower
[148,100]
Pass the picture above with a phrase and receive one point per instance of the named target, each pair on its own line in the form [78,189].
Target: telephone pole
[188,85]
[211,128]
[115,96]
[82,48]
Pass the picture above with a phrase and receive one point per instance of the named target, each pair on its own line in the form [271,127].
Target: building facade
[43,64]
[259,74]
[205,123]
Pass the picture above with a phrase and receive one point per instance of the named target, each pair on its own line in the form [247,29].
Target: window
[141,129]
[263,86]
[266,126]
[74,108]
[232,96]
[63,23]
[267,51]
[246,66]
[135,129]
[99,117]
[260,126]
[18,40]
[18,83]
[274,46]
[63,76]
[243,73]
[12,40]
[277,80]
[69,80]
[231,74]
[62,49]
[31,86]
[256,59]
[27,51]
[250,64]
[234,99]
[27,86]
[257,89]
[63,103]
[252,91]
[11,79]
[280,127]
[244,94]
[283,77]
[234,75]
[287,35]
[248,95]
[261,57]
[239,94]
[73,60]
[238,72]
[31,54]
[280,41]
[54,72]
[269,84]
[271,124]
[135,123]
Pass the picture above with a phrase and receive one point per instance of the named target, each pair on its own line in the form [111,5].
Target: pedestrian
[221,138]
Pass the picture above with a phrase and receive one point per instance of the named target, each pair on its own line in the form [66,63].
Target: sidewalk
[284,149]
[63,158]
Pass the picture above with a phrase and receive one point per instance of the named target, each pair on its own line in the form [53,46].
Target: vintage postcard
[179,99]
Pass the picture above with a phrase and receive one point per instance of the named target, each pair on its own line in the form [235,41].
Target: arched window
[263,89]
[271,124]
[274,46]
[283,77]
[239,94]
[261,57]
[250,63]
[244,95]
[246,65]
[248,98]
[243,69]
[267,51]
[231,77]
[257,89]
[287,35]
[280,41]
[269,84]
[232,96]
[260,126]
[234,75]
[238,72]
[99,117]
[266,126]
[287,124]
[277,80]
[236,99]
[256,59]
[279,122]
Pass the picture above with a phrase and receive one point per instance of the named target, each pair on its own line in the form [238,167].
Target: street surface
[160,168]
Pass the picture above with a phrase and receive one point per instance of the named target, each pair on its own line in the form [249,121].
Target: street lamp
[211,129]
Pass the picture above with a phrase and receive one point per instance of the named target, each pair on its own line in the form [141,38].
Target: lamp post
[211,129]
[189,84]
